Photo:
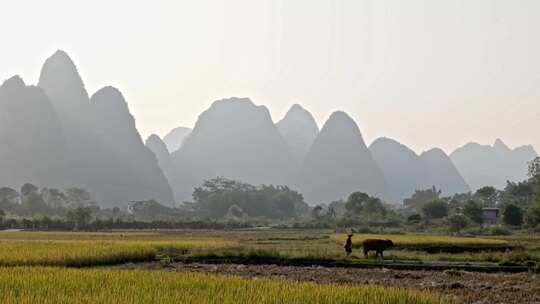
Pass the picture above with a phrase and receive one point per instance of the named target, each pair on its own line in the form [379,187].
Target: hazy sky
[427,73]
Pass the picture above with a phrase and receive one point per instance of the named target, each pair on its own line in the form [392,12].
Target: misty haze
[270,151]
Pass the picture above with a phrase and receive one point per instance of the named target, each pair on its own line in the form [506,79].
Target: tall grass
[63,285]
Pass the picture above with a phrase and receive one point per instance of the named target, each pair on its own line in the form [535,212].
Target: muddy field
[467,287]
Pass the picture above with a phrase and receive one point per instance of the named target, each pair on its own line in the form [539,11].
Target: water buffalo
[376,245]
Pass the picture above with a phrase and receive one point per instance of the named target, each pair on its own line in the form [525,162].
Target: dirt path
[468,287]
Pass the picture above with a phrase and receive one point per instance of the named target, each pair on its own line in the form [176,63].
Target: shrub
[475,231]
[414,218]
[435,209]
[457,222]
[499,231]
[473,211]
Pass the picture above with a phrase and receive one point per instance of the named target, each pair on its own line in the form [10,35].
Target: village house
[491,216]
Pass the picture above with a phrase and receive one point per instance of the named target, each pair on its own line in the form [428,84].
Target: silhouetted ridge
[106,155]
[299,130]
[113,121]
[110,98]
[14,83]
[175,138]
[33,147]
[61,81]
[501,147]
[158,147]
[442,172]
[483,165]
[233,138]
[403,170]
[339,163]
[134,165]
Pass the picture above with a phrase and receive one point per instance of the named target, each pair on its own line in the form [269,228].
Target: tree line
[225,203]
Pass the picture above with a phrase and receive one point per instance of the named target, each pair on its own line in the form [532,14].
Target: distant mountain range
[405,171]
[485,165]
[59,137]
[55,135]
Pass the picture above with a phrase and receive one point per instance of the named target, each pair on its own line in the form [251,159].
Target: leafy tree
[435,209]
[284,203]
[220,185]
[149,210]
[473,211]
[79,198]
[214,198]
[337,209]
[513,215]
[80,216]
[373,207]
[316,212]
[534,167]
[422,197]
[9,199]
[532,217]
[32,202]
[54,198]
[361,204]
[355,202]
[28,189]
[534,174]
[488,196]
[8,194]
[332,212]
[461,198]
[520,194]
[236,213]
[457,222]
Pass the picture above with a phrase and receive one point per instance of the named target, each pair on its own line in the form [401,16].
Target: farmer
[348,245]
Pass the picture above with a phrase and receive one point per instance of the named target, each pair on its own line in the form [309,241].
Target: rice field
[87,249]
[67,285]
[418,241]
[45,267]
[103,236]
